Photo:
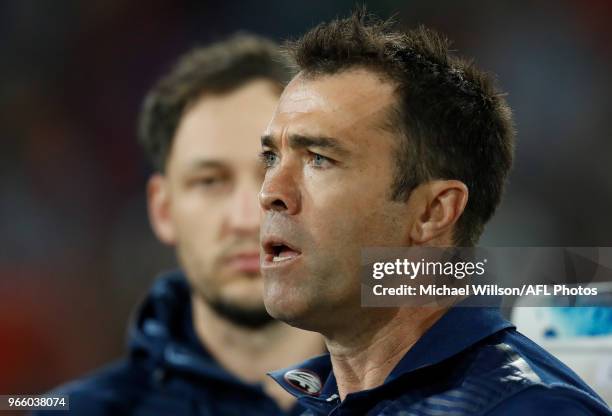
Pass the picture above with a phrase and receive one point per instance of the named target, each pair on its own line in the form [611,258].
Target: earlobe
[158,202]
[441,205]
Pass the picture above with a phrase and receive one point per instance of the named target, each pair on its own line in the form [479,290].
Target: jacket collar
[163,333]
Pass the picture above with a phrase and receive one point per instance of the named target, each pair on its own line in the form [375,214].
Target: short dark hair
[216,69]
[452,120]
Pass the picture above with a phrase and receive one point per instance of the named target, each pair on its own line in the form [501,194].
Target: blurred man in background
[377,142]
[202,341]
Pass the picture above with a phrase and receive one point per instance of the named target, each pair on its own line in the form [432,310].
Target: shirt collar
[457,330]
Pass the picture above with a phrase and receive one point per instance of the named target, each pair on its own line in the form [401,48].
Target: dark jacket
[471,362]
[166,371]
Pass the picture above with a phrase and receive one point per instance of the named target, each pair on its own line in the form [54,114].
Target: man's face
[210,188]
[326,194]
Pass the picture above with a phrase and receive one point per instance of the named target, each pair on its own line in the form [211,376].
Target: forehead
[335,104]
[224,127]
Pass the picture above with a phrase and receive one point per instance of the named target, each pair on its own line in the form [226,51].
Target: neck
[364,357]
[250,353]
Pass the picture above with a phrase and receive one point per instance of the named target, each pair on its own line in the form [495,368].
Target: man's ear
[158,203]
[438,205]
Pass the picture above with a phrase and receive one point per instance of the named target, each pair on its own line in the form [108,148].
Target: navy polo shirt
[470,362]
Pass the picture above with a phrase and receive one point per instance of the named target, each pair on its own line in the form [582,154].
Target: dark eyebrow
[300,141]
[206,164]
[268,141]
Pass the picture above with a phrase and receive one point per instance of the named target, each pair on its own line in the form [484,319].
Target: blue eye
[319,161]
[268,158]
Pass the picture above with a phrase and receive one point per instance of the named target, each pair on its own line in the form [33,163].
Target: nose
[280,191]
[244,211]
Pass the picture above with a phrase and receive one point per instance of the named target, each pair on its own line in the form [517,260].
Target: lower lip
[245,264]
[268,263]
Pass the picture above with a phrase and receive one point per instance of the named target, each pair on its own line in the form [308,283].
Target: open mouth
[278,251]
[282,252]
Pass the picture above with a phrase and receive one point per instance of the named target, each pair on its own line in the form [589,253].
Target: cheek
[343,233]
[197,235]
[197,216]
[197,228]
[345,215]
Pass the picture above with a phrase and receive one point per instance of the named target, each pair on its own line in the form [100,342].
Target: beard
[251,318]
[199,275]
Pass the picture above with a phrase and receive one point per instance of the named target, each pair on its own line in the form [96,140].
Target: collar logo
[304,380]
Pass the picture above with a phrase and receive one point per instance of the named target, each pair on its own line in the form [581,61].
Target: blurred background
[77,254]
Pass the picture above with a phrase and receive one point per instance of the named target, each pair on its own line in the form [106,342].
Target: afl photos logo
[304,380]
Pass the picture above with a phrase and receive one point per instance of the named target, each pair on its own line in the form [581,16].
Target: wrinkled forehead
[355,98]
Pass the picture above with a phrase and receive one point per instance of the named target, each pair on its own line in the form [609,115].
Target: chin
[292,319]
[240,287]
[292,310]
[243,299]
